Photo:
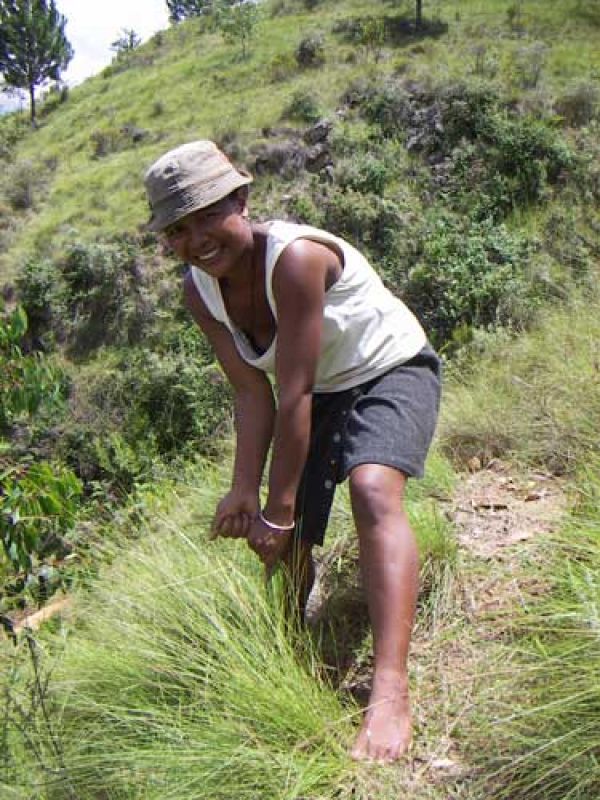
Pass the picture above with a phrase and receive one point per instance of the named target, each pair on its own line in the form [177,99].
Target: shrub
[512,164]
[57,95]
[303,107]
[369,221]
[181,401]
[310,52]
[579,105]
[12,129]
[38,294]
[365,173]
[103,297]
[529,63]
[112,139]
[389,105]
[282,67]
[468,275]
[21,184]
[146,408]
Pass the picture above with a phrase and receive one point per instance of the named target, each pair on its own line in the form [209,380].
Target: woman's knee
[376,492]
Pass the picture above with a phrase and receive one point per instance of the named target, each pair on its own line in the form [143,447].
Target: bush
[365,173]
[368,221]
[303,107]
[145,408]
[511,165]
[478,148]
[21,184]
[579,105]
[470,274]
[38,294]
[282,67]
[310,52]
[181,401]
[109,140]
[388,106]
[103,297]
[57,95]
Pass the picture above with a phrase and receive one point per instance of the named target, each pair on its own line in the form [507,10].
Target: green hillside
[463,157]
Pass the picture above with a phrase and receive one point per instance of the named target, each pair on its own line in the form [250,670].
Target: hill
[463,158]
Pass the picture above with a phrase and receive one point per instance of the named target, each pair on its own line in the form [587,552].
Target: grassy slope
[186,84]
[104,196]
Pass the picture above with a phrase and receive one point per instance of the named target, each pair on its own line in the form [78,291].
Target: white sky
[92,26]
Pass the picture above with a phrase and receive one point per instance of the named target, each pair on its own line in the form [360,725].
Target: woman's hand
[269,545]
[235,515]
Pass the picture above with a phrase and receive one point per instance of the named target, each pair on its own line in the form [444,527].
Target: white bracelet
[274,527]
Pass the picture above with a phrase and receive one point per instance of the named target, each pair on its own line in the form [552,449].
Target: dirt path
[495,509]
[497,514]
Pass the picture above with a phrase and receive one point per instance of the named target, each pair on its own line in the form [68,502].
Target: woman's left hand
[269,545]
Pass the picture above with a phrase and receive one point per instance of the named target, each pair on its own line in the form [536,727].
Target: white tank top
[366,329]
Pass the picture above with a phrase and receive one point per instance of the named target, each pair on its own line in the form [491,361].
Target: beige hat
[192,176]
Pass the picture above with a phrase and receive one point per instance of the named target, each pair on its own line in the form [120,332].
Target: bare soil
[494,509]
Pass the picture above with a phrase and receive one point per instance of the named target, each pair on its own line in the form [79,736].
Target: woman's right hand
[235,514]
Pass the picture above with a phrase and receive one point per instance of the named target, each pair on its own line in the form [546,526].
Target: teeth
[207,256]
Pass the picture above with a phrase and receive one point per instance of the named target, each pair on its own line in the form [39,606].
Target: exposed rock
[319,132]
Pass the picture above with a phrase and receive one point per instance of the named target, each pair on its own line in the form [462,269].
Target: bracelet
[274,527]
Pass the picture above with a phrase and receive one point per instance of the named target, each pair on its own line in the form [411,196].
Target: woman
[357,394]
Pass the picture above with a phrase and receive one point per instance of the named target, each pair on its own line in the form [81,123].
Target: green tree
[237,22]
[182,9]
[127,41]
[33,45]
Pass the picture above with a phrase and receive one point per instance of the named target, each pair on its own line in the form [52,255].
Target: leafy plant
[468,274]
[37,501]
[26,381]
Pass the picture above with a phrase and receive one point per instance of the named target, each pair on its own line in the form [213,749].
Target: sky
[92,25]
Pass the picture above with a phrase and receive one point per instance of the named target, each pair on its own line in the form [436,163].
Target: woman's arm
[254,409]
[299,284]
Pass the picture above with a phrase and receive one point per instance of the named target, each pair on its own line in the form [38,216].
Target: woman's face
[215,238]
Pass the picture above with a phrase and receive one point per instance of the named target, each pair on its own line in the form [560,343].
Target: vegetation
[461,154]
[33,45]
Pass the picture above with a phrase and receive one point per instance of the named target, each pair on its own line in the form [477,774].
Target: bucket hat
[190,177]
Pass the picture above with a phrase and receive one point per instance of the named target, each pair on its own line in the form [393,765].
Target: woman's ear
[241,197]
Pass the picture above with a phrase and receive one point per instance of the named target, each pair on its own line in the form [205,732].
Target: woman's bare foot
[386,732]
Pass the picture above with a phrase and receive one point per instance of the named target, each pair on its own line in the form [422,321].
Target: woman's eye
[173,233]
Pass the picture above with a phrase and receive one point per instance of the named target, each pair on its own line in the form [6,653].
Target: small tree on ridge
[33,45]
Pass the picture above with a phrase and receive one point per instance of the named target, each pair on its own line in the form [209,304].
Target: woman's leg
[389,566]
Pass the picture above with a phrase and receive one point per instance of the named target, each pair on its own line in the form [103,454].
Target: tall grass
[535,398]
[184,681]
[547,710]
[181,678]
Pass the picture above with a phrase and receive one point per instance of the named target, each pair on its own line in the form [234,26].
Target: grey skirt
[389,420]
